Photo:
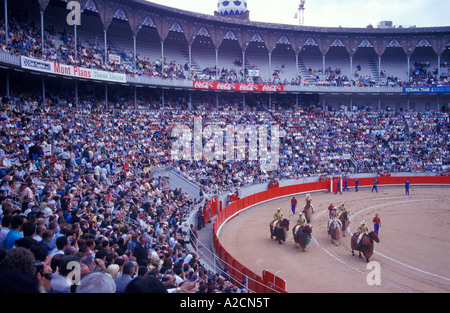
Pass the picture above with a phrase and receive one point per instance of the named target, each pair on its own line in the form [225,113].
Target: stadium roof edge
[287,27]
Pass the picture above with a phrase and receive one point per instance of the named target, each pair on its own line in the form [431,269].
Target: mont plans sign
[237,87]
[71,71]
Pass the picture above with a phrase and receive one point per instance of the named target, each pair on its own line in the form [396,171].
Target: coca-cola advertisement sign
[238,87]
[272,88]
[225,86]
[248,87]
[203,85]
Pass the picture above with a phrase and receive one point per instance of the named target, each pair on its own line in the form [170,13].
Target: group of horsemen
[334,214]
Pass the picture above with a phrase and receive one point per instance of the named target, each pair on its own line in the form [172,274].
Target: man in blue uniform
[407,183]
[338,188]
[375,185]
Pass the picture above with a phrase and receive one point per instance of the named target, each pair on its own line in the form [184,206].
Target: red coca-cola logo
[248,87]
[239,87]
[270,88]
[203,85]
[225,86]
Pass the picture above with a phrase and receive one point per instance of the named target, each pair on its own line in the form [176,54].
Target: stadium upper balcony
[211,48]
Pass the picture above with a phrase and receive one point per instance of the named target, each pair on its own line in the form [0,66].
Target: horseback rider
[334,219]
[342,208]
[300,221]
[308,200]
[362,230]
[330,210]
[278,217]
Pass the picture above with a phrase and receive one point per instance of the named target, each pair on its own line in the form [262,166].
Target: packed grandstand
[88,112]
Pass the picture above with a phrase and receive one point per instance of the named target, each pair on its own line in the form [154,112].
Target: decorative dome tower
[234,9]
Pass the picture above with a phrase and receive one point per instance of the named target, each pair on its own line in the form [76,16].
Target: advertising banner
[114,58]
[443,89]
[71,71]
[253,73]
[237,87]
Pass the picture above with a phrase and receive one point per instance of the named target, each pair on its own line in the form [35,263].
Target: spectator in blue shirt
[15,232]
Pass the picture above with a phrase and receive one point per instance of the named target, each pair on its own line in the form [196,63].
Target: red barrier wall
[265,282]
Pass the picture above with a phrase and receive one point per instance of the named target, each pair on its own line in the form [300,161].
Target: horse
[335,231]
[345,221]
[366,244]
[279,231]
[302,235]
[309,211]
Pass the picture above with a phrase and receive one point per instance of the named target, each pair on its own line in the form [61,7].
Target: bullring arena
[413,251]
[111,110]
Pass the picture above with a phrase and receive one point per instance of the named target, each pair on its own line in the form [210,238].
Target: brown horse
[365,246]
[309,211]
[302,235]
[344,218]
[335,231]
[279,231]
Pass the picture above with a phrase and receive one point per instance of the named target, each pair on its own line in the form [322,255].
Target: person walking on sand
[376,223]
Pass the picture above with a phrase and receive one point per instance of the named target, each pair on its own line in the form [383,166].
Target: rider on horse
[278,217]
[330,210]
[362,230]
[334,218]
[341,209]
[301,219]
[300,222]
[308,199]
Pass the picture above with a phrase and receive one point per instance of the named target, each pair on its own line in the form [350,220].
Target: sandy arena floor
[413,253]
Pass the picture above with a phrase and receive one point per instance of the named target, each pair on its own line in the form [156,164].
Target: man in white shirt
[49,210]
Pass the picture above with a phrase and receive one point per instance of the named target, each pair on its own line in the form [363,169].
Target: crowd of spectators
[25,39]
[92,199]
[313,144]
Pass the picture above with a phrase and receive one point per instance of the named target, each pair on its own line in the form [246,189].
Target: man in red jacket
[376,223]
[293,205]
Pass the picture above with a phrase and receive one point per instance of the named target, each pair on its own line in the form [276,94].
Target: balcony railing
[14,60]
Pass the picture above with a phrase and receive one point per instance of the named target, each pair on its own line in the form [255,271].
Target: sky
[335,13]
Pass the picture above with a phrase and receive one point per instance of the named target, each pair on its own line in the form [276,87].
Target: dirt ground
[413,254]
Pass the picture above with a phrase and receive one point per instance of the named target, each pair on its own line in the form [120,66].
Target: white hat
[363,223]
